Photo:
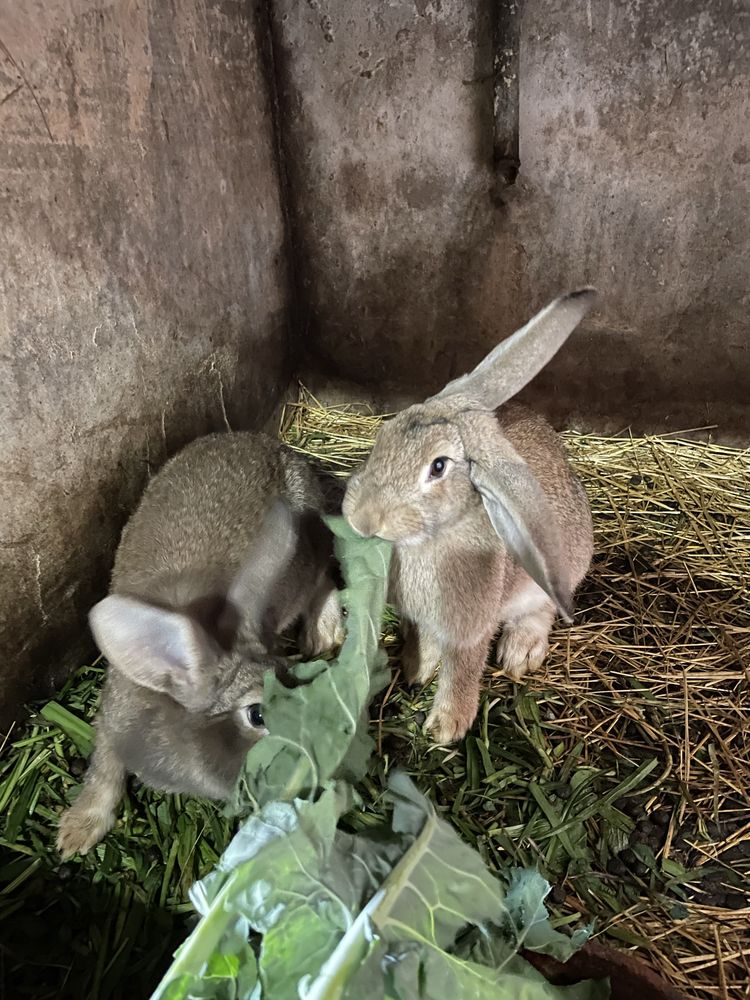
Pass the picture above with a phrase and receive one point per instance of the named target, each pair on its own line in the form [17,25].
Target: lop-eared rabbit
[225,550]
[490,526]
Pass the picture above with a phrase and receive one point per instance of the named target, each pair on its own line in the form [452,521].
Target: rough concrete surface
[144,287]
[635,163]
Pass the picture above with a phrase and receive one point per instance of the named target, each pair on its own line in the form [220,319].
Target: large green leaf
[436,975]
[441,885]
[318,729]
[439,897]
[291,876]
[409,912]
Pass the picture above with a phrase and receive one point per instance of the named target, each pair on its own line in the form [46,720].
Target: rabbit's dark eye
[438,467]
[255,715]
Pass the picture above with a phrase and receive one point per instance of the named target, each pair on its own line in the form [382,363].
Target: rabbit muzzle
[399,523]
[366,522]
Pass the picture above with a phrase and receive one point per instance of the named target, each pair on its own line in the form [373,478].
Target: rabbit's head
[200,669]
[415,481]
[434,461]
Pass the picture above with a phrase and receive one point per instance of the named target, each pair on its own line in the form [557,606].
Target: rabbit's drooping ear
[162,650]
[519,513]
[265,564]
[515,361]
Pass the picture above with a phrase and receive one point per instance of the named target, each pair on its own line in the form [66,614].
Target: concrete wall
[144,289]
[635,165]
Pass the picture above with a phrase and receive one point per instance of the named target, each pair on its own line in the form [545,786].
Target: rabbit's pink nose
[366,523]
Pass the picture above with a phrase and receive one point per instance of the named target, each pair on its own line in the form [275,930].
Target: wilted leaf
[293,877]
[524,901]
[448,926]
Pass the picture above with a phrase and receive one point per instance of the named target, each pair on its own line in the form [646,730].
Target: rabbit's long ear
[520,515]
[265,565]
[158,649]
[515,361]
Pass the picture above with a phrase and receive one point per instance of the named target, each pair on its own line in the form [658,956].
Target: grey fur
[453,578]
[225,550]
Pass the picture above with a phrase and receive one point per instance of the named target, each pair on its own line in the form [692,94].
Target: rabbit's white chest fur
[453,588]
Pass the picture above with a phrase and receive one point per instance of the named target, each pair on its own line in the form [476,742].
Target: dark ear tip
[586,293]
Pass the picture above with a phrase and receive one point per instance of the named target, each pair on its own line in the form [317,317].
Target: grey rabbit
[225,550]
[490,525]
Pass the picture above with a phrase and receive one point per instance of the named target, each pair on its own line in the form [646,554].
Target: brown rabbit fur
[225,550]
[490,525]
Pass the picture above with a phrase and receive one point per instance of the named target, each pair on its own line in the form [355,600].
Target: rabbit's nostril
[366,523]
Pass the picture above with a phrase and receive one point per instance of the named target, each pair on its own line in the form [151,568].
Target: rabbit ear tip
[587,292]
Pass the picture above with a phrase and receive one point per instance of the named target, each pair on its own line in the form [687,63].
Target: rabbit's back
[203,509]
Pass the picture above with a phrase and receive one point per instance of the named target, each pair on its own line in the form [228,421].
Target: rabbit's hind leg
[527,620]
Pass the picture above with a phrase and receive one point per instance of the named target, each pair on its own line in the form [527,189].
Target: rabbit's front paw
[521,648]
[81,827]
[448,726]
[325,632]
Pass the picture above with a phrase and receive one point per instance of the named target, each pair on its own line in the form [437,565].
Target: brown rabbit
[441,476]
[225,550]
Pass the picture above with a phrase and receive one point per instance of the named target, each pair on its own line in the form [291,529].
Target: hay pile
[623,769]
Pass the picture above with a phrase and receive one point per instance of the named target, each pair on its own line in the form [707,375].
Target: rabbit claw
[521,649]
[81,828]
[446,726]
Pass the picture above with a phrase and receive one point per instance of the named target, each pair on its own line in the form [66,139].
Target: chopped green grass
[102,926]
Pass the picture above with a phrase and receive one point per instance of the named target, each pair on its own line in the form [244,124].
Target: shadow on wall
[387,312]
[144,299]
